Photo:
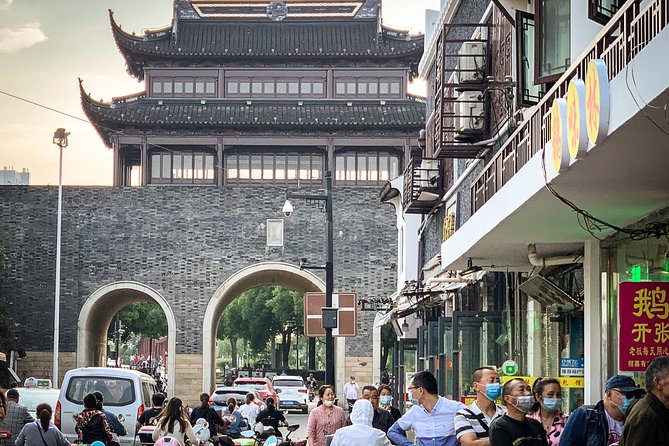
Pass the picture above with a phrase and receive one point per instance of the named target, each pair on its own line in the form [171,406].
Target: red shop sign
[644,323]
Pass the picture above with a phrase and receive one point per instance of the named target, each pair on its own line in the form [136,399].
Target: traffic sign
[346,305]
[510,367]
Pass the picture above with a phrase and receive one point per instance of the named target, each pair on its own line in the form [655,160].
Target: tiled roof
[266,41]
[218,115]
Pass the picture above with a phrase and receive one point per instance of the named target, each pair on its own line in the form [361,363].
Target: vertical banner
[644,323]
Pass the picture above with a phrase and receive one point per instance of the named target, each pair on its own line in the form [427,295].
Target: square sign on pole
[345,319]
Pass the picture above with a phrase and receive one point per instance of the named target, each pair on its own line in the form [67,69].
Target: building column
[115,180]
[376,355]
[331,160]
[534,345]
[144,163]
[407,154]
[219,163]
[594,342]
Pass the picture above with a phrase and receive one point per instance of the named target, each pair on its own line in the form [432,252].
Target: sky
[45,45]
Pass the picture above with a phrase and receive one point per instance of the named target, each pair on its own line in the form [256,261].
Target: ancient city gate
[242,101]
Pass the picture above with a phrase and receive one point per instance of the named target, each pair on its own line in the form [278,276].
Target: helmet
[167,441]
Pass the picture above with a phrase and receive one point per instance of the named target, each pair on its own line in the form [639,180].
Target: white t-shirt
[615,429]
[250,412]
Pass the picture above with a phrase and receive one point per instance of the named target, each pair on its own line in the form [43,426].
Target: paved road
[296,417]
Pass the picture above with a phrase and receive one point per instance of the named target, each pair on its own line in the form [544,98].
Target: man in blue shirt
[431,417]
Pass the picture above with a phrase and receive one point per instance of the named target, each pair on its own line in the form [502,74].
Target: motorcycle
[201,430]
[287,441]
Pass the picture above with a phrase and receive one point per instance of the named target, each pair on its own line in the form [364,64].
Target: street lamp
[329,270]
[59,139]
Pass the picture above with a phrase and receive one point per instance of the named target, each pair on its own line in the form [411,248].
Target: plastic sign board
[644,323]
[565,383]
[346,305]
[510,367]
[572,367]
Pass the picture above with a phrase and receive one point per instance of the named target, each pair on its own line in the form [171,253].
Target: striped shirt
[471,420]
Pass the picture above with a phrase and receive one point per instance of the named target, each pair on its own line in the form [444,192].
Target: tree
[143,319]
[287,308]
[229,328]
[7,334]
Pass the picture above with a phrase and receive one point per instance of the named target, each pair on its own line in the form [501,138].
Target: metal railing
[423,185]
[628,32]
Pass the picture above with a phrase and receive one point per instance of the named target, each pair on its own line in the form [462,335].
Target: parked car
[127,393]
[262,385]
[294,393]
[31,397]
[219,399]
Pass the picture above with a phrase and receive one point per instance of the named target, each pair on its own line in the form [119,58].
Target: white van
[127,393]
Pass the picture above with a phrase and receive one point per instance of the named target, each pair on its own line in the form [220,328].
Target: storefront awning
[382,319]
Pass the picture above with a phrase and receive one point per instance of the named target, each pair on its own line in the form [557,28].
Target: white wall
[583,30]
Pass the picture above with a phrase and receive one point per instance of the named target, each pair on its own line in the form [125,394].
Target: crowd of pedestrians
[513,414]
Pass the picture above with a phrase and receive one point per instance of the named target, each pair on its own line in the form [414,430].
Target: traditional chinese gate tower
[242,101]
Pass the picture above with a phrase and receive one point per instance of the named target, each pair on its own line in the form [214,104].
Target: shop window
[256,87]
[233,87]
[552,35]
[157,87]
[318,88]
[529,93]
[167,87]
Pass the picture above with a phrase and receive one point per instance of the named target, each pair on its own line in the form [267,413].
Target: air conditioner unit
[471,62]
[469,112]
[427,179]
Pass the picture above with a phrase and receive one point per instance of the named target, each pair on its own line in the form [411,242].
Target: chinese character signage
[644,323]
[571,367]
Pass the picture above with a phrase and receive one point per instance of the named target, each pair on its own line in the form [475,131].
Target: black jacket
[647,423]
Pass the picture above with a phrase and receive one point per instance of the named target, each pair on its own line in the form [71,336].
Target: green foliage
[143,319]
[258,315]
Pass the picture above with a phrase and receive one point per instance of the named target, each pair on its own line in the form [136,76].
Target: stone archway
[98,311]
[266,273]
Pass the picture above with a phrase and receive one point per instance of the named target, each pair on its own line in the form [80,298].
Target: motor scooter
[287,441]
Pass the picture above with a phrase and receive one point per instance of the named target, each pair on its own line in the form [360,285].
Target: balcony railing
[423,185]
[628,32]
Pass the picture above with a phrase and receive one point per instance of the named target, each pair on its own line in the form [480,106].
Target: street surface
[296,417]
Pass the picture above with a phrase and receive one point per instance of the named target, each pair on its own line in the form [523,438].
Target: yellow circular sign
[577,137]
[597,101]
[559,147]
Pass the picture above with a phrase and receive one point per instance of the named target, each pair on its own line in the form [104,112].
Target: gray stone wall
[182,241]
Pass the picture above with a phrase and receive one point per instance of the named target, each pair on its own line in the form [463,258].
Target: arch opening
[267,273]
[98,312]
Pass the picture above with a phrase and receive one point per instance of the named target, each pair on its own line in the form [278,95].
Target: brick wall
[184,242]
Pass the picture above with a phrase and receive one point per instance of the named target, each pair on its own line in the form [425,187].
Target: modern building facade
[242,101]
[11,177]
[539,193]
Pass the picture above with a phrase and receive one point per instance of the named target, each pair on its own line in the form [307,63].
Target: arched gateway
[97,312]
[266,273]
[202,157]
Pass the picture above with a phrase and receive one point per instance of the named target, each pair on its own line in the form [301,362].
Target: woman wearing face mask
[547,409]
[515,428]
[386,401]
[325,419]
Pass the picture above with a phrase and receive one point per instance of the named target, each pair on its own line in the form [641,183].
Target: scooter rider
[271,417]
[148,418]
[312,385]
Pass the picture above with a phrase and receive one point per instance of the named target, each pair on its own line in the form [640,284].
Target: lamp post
[287,210]
[59,139]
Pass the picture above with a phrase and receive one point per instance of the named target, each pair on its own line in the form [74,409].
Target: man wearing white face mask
[472,424]
[515,428]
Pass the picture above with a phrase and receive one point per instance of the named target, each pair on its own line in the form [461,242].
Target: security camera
[287,209]
[303,261]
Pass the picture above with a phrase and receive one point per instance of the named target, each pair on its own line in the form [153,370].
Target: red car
[262,385]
